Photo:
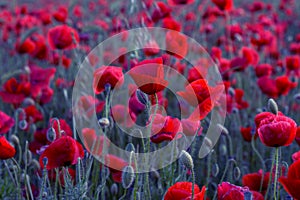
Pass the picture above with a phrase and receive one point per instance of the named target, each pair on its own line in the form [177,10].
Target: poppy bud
[130,147]
[215,170]
[104,122]
[15,140]
[51,134]
[127,177]
[272,106]
[187,160]
[23,124]
[236,173]
[142,97]
[114,189]
[223,129]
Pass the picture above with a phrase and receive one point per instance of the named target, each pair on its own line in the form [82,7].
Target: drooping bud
[223,129]
[187,160]
[127,177]
[104,122]
[23,124]
[272,106]
[236,173]
[51,134]
[114,189]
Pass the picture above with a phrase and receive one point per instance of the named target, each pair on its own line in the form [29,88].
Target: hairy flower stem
[276,172]
[270,179]
[193,184]
[261,160]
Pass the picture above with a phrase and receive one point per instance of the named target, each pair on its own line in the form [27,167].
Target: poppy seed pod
[127,177]
[51,134]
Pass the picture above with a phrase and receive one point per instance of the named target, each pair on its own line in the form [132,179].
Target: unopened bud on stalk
[130,147]
[51,134]
[15,140]
[187,160]
[45,161]
[28,102]
[215,170]
[104,122]
[35,164]
[114,189]
[236,173]
[23,124]
[272,106]
[223,129]
[127,177]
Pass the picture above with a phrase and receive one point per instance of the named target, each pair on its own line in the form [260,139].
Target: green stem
[276,172]
[193,184]
[261,160]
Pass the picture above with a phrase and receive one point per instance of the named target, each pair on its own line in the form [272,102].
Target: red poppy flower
[27,46]
[298,135]
[41,49]
[148,75]
[151,48]
[164,128]
[275,130]
[190,127]
[180,2]
[6,123]
[268,86]
[247,133]
[170,23]
[33,114]
[291,183]
[116,165]
[92,141]
[6,149]
[61,14]
[284,85]
[62,152]
[63,37]
[296,156]
[292,64]
[107,75]
[227,191]
[14,91]
[86,105]
[263,70]
[176,44]
[183,191]
[123,115]
[223,4]
[64,126]
[253,180]
[135,105]
[197,73]
[161,11]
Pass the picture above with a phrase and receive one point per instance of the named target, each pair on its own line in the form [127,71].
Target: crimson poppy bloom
[296,156]
[27,46]
[62,152]
[223,4]
[116,165]
[183,191]
[61,14]
[86,104]
[196,73]
[275,130]
[291,183]
[94,142]
[227,191]
[62,37]
[148,75]
[253,180]
[190,127]
[123,116]
[202,96]
[292,64]
[135,105]
[176,44]
[161,11]
[151,48]
[107,75]
[247,133]
[170,23]
[268,86]
[263,70]
[6,149]
[6,123]
[33,114]
[41,49]
[298,136]
[284,85]
[180,2]
[14,91]
[164,128]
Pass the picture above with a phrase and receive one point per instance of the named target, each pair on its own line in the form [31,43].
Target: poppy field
[150,99]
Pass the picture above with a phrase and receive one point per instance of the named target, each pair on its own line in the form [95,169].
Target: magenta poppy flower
[275,130]
[227,191]
[223,4]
